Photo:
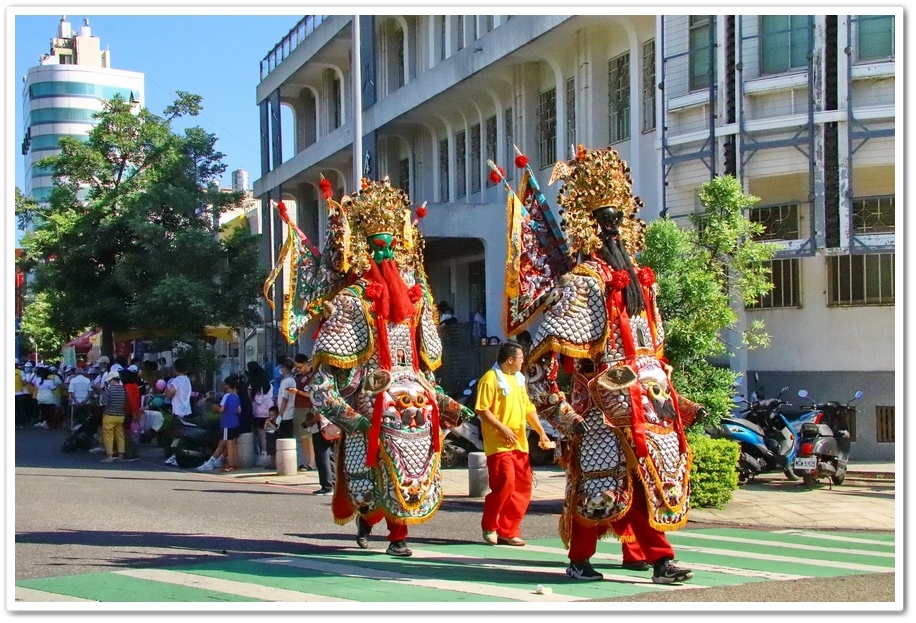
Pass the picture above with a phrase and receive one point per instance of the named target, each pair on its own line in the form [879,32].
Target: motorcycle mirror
[803,393]
[738,400]
[859,394]
[738,380]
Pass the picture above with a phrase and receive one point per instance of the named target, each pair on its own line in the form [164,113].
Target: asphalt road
[74,515]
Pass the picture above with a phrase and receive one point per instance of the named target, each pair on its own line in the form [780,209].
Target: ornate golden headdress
[595,179]
[378,208]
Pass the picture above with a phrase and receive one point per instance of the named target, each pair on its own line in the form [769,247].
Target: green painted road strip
[474,572]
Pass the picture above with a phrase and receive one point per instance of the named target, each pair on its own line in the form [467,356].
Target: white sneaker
[263,460]
[171,461]
[207,466]
[38,425]
[99,450]
[45,425]
[218,462]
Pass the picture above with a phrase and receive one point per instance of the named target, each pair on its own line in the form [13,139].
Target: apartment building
[799,108]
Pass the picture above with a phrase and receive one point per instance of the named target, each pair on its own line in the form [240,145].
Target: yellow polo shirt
[509,409]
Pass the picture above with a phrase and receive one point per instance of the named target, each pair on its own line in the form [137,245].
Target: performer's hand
[544,443]
[581,427]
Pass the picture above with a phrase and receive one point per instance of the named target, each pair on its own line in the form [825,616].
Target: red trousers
[510,493]
[396,531]
[651,545]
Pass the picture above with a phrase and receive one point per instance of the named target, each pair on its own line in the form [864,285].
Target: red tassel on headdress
[281,208]
[521,161]
[325,186]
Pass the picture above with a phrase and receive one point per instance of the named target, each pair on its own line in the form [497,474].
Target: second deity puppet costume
[626,455]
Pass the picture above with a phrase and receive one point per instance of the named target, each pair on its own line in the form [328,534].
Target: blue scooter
[767,439]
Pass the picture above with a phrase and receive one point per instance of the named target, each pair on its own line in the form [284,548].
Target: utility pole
[356,72]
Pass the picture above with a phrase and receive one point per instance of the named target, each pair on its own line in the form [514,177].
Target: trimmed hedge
[714,475]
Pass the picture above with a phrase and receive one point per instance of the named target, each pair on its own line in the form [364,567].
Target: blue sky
[214,56]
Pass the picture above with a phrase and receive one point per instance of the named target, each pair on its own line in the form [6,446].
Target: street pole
[356,72]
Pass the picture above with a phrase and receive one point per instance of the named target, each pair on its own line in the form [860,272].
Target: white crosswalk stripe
[415,579]
[220,585]
[781,545]
[617,558]
[551,575]
[826,536]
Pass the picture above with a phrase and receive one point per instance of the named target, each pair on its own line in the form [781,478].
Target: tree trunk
[108,343]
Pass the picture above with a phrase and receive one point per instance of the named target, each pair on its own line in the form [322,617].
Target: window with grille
[873,215]
[648,85]
[475,159]
[399,44]
[570,111]
[336,104]
[459,32]
[509,146]
[618,70]
[443,170]
[780,221]
[861,279]
[875,37]
[547,128]
[404,175]
[461,179]
[784,273]
[442,51]
[491,143]
[700,54]
[884,424]
[784,43]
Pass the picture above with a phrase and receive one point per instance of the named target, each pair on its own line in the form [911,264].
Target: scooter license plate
[805,462]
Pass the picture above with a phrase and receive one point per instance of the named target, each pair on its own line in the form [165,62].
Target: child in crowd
[271,426]
[229,409]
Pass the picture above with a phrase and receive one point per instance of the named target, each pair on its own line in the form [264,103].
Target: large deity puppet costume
[374,354]
[626,458]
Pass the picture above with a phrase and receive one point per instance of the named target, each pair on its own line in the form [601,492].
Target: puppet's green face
[381,246]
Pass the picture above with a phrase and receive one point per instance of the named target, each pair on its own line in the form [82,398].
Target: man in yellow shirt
[504,409]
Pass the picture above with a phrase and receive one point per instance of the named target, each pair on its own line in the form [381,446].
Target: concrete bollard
[286,457]
[478,477]
[244,447]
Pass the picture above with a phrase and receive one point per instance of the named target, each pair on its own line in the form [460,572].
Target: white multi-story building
[800,109]
[61,93]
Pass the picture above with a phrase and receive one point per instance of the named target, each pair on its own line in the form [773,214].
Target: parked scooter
[194,439]
[825,442]
[466,437]
[767,439]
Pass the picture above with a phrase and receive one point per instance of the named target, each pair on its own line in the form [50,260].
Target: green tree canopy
[704,273]
[129,238]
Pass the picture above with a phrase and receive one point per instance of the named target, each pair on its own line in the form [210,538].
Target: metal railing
[290,42]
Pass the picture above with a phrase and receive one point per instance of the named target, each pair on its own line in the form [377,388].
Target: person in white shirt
[79,389]
[178,390]
[286,400]
[46,382]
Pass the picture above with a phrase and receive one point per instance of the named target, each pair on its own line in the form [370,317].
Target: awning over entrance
[85,341]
